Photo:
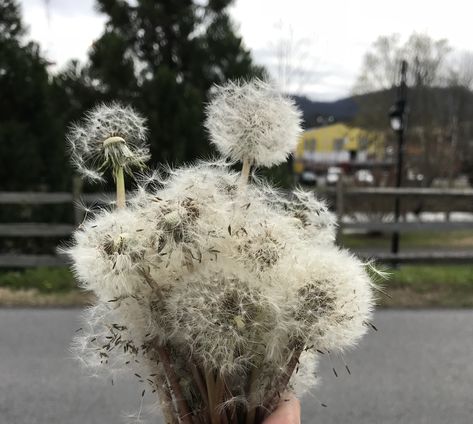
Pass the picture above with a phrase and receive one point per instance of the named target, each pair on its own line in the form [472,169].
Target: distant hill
[370,110]
[314,113]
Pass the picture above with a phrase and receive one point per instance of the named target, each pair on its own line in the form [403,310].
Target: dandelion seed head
[108,252]
[314,216]
[333,299]
[223,320]
[253,121]
[110,136]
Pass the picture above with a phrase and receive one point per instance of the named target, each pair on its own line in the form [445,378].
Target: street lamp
[398,122]
[396,116]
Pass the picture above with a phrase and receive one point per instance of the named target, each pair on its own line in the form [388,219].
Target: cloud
[62,8]
[65,30]
[331,37]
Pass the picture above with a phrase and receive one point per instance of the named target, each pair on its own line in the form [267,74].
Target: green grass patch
[429,286]
[44,280]
[447,239]
[431,277]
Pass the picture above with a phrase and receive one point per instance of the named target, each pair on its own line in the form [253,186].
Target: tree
[461,70]
[380,65]
[427,58]
[439,98]
[31,145]
[164,57]
[380,69]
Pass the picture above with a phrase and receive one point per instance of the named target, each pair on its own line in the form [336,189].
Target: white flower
[253,121]
[110,136]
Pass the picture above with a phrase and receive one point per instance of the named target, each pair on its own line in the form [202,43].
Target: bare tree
[460,71]
[380,65]
[294,67]
[426,58]
[440,99]
[380,68]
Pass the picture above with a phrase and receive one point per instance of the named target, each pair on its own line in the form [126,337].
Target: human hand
[288,411]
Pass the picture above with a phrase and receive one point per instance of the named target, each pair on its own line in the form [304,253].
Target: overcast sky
[328,37]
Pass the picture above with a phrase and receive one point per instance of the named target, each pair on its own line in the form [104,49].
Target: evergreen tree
[31,148]
[163,57]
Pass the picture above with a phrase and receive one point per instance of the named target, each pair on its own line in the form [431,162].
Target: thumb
[288,411]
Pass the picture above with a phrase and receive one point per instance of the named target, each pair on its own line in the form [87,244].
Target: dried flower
[253,121]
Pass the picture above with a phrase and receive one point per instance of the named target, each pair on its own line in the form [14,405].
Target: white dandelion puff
[110,136]
[253,121]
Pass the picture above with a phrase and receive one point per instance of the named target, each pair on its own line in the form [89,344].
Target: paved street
[418,368]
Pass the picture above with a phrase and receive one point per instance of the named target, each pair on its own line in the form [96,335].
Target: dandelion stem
[120,181]
[211,390]
[232,411]
[219,392]
[245,172]
[202,389]
[251,412]
[183,410]
[165,399]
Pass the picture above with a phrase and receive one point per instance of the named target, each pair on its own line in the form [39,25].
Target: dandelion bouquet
[216,291]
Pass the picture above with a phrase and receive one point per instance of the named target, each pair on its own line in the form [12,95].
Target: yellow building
[337,145]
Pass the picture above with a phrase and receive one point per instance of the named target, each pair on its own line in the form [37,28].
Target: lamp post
[398,121]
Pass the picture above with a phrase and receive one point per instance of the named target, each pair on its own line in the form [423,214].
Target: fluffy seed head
[253,121]
[110,136]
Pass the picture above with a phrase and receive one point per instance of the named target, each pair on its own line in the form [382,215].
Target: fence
[341,194]
[380,226]
[62,230]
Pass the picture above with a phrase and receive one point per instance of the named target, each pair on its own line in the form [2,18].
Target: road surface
[418,368]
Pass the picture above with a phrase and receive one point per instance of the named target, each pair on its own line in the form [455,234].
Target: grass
[44,280]
[429,286]
[41,287]
[420,285]
[407,286]
[448,239]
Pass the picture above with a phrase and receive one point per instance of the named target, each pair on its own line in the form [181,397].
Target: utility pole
[398,120]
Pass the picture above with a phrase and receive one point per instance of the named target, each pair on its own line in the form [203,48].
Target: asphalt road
[418,368]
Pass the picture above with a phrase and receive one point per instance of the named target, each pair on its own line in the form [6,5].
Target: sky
[323,40]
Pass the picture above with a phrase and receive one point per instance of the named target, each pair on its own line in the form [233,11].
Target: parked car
[364,177]
[333,175]
[308,178]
